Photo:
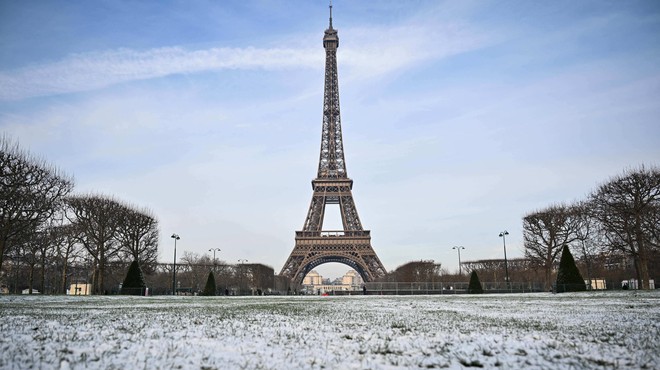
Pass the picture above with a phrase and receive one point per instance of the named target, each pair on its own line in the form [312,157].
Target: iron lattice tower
[315,246]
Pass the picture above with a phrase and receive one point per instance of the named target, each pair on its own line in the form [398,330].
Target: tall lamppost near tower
[503,235]
[458,248]
[214,250]
[175,237]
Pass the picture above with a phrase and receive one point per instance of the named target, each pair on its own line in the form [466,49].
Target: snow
[537,331]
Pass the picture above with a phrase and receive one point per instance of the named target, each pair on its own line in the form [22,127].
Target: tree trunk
[586,262]
[31,278]
[64,272]
[95,279]
[101,275]
[43,273]
[548,270]
[642,267]
[17,268]
[2,253]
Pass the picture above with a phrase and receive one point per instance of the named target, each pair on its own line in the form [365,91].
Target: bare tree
[31,253]
[628,208]
[97,219]
[523,268]
[46,253]
[589,237]
[138,234]
[194,270]
[30,192]
[65,240]
[545,232]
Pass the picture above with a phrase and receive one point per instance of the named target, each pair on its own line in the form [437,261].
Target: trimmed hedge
[475,285]
[134,281]
[209,288]
[569,278]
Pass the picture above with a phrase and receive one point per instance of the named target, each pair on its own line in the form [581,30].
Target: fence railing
[404,288]
[332,233]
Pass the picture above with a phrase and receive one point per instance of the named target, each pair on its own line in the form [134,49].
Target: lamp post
[175,237]
[503,235]
[214,250]
[242,261]
[458,248]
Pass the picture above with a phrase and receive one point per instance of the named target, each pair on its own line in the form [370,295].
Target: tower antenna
[330,14]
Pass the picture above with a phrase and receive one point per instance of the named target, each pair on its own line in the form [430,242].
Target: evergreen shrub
[475,285]
[134,281]
[569,278]
[209,288]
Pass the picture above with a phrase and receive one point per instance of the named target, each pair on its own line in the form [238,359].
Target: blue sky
[459,117]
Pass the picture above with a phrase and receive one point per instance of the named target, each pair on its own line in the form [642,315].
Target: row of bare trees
[622,216]
[31,193]
[232,279]
[110,231]
[42,225]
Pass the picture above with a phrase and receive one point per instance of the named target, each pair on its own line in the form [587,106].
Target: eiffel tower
[315,246]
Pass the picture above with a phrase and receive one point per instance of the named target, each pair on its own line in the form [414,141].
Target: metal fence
[401,288]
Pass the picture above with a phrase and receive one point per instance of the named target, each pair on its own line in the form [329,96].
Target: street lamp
[503,235]
[175,237]
[214,250]
[459,258]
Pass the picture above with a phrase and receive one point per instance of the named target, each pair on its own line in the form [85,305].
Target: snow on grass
[619,330]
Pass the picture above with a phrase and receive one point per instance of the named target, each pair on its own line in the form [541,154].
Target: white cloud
[89,71]
[371,52]
[376,52]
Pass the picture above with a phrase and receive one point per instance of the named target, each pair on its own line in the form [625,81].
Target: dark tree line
[233,279]
[31,192]
[620,217]
[44,227]
[415,271]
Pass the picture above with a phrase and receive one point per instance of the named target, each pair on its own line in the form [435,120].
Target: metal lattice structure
[315,246]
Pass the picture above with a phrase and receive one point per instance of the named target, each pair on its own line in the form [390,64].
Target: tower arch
[349,261]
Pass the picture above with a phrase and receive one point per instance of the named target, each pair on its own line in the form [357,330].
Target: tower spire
[331,162]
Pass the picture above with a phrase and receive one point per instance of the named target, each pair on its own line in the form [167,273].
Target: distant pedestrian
[364,289]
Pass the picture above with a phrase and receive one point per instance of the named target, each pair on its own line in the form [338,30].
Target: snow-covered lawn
[619,330]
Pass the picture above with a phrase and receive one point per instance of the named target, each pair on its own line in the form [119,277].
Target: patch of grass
[470,363]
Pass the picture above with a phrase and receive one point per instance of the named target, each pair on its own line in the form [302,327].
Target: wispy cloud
[371,52]
[89,71]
